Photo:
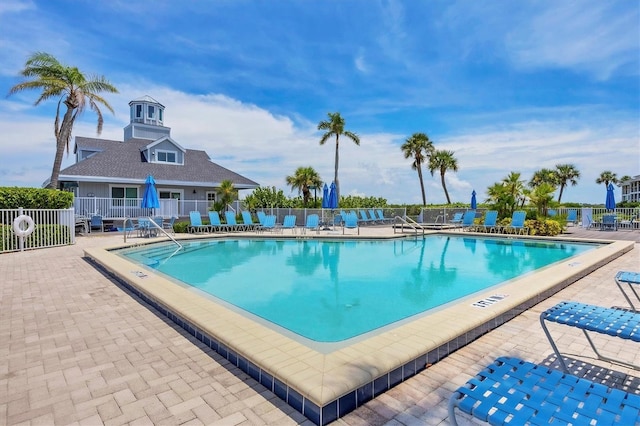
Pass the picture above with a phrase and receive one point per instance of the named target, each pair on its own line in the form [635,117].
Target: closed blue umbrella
[150,197]
[333,197]
[474,203]
[325,197]
[610,203]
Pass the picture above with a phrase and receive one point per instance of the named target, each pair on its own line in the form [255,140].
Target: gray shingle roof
[123,161]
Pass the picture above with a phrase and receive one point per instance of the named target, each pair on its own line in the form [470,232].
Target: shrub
[181,227]
[544,227]
[34,198]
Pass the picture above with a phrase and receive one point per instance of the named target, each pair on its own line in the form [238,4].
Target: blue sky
[508,86]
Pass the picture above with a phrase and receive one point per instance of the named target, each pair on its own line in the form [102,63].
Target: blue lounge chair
[363,217]
[572,217]
[128,226]
[289,222]
[216,223]
[269,223]
[261,217]
[517,223]
[527,393]
[249,224]
[456,220]
[489,224]
[196,224]
[381,217]
[372,216]
[233,225]
[312,223]
[614,322]
[351,222]
[467,220]
[632,279]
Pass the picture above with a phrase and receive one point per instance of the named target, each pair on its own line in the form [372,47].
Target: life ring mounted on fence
[18,227]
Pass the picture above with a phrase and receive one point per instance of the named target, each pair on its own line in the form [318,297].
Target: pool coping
[325,387]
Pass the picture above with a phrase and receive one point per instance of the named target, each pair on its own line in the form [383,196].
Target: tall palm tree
[302,180]
[443,160]
[565,174]
[514,188]
[419,147]
[607,177]
[73,89]
[335,127]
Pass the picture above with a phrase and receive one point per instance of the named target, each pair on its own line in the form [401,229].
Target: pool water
[330,291]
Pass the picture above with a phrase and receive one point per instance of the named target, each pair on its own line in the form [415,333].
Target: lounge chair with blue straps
[572,217]
[196,224]
[351,222]
[249,224]
[230,217]
[632,279]
[614,322]
[381,218]
[456,220]
[313,223]
[516,392]
[289,222]
[490,222]
[517,225]
[467,220]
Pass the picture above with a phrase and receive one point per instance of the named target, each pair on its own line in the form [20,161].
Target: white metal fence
[27,229]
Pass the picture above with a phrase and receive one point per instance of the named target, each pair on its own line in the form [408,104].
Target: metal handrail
[409,222]
[151,221]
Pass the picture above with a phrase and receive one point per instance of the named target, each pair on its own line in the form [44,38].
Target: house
[631,189]
[108,176]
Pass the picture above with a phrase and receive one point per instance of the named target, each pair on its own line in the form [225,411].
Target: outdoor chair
[572,217]
[609,222]
[195,223]
[269,223]
[456,220]
[381,217]
[489,224]
[521,392]
[96,222]
[216,224]
[129,227]
[312,223]
[363,217]
[517,225]
[233,225]
[351,222]
[249,224]
[168,226]
[467,220]
[621,323]
[261,216]
[289,222]
[632,279]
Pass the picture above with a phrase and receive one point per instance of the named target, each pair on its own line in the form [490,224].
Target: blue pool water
[330,291]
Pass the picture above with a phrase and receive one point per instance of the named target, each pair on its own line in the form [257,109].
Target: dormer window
[166,156]
[138,111]
[151,112]
[160,114]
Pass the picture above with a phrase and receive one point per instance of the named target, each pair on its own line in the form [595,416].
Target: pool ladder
[409,222]
[155,225]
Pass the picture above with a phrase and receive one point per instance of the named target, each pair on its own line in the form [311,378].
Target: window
[166,156]
[151,112]
[160,114]
[138,111]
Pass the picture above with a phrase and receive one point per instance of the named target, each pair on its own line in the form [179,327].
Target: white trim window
[138,111]
[151,112]
[163,156]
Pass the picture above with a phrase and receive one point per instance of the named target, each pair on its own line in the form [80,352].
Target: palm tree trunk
[560,195]
[335,177]
[424,198]
[61,143]
[444,186]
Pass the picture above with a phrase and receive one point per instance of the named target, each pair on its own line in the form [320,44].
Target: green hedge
[42,235]
[34,198]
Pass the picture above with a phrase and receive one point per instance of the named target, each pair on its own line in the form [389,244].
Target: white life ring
[18,227]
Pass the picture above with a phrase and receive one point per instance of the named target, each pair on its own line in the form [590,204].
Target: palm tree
[566,173]
[607,177]
[443,160]
[302,180]
[543,176]
[514,188]
[227,193]
[73,89]
[335,127]
[419,147]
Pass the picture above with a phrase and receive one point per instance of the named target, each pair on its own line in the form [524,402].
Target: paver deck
[75,348]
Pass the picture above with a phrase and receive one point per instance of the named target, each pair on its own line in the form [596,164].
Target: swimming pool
[327,381]
[331,291]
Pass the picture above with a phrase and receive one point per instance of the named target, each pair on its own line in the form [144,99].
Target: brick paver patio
[75,348]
